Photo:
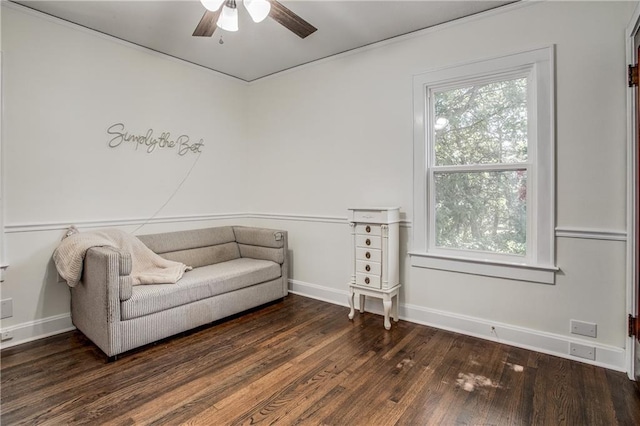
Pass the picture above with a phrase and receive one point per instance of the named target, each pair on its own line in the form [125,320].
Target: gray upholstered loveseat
[235,268]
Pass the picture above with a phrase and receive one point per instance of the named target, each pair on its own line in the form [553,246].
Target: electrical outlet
[582,351]
[6,335]
[6,308]
[582,328]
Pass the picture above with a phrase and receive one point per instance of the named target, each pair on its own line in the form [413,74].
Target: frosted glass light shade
[258,9]
[212,5]
[228,19]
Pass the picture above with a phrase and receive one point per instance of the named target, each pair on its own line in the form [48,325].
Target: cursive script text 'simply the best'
[182,143]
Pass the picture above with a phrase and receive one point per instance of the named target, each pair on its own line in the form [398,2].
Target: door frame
[632,172]
[3,264]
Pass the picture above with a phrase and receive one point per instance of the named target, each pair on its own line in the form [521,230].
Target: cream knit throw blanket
[147,266]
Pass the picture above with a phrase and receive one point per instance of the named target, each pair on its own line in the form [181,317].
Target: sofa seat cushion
[197,284]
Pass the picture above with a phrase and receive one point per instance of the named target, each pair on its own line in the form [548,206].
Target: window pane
[484,124]
[484,211]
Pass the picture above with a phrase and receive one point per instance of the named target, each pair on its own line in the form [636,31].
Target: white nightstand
[375,252]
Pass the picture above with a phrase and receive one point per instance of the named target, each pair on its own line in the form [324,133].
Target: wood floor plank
[277,381]
[513,396]
[233,366]
[301,361]
[308,403]
[373,401]
[481,382]
[235,378]
[591,383]
[624,400]
[436,399]
[552,396]
[301,393]
[203,379]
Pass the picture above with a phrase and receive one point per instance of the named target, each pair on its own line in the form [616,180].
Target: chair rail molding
[590,233]
[105,223]
[14,228]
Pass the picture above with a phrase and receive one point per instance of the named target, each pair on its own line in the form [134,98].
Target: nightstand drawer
[375,215]
[372,255]
[368,241]
[366,280]
[369,268]
[365,229]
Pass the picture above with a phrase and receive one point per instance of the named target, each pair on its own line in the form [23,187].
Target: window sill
[489,268]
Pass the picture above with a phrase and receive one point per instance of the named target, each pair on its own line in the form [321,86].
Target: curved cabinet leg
[362,303]
[352,311]
[387,308]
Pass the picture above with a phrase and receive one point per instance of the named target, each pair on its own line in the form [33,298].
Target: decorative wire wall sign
[182,144]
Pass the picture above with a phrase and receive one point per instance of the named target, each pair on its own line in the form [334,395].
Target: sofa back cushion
[198,247]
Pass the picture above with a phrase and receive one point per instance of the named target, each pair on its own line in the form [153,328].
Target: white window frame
[538,264]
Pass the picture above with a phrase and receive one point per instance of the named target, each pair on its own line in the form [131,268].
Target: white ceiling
[258,50]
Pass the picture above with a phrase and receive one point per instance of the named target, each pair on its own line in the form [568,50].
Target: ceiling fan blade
[290,20]
[207,24]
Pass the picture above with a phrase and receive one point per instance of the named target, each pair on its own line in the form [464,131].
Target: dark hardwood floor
[301,361]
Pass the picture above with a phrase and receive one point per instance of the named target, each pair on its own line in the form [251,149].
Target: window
[484,168]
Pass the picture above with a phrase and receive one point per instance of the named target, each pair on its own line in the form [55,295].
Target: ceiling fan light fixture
[258,9]
[212,5]
[228,19]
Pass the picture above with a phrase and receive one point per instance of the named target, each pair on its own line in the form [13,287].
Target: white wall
[320,139]
[63,87]
[342,129]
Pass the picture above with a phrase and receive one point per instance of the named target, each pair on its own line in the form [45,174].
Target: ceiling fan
[224,14]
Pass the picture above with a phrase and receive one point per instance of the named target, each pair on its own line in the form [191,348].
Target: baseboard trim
[610,357]
[39,329]
[552,344]
[318,292]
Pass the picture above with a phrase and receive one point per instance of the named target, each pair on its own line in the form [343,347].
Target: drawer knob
[368,242]
[368,228]
[367,280]
[368,268]
[367,255]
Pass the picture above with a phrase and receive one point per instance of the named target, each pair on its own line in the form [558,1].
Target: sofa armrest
[95,301]
[120,274]
[265,244]
[262,237]
[262,243]
[105,283]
